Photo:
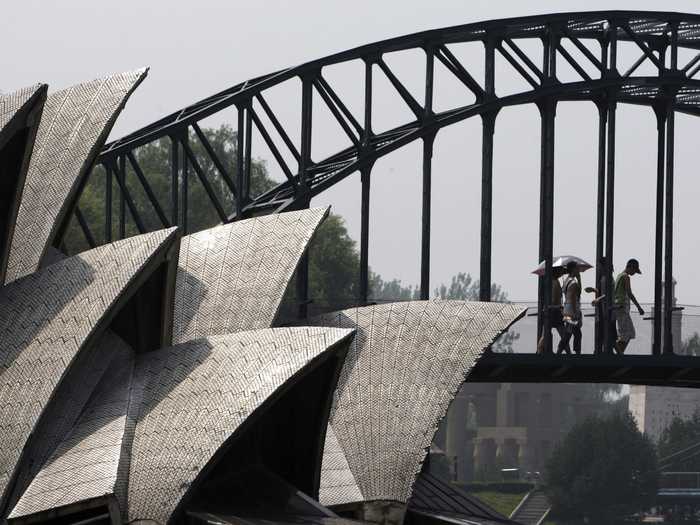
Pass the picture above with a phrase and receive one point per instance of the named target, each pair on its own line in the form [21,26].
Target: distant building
[502,425]
[655,407]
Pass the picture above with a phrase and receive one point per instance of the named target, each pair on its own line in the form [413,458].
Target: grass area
[500,501]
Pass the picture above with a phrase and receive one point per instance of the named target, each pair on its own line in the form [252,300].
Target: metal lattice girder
[582,40]
[575,57]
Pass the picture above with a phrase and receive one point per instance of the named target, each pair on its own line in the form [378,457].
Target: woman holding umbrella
[566,320]
[572,310]
[555,308]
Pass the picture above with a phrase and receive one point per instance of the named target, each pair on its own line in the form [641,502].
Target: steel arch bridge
[663,77]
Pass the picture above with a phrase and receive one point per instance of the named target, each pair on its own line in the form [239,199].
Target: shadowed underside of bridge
[608,58]
[665,370]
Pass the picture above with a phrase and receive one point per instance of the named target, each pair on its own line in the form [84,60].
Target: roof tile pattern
[11,103]
[195,395]
[75,123]
[86,464]
[46,319]
[338,484]
[402,370]
[62,411]
[233,277]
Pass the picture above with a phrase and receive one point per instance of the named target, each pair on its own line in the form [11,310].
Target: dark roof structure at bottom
[441,502]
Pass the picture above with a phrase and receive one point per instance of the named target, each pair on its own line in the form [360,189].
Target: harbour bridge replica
[166,352]
[663,78]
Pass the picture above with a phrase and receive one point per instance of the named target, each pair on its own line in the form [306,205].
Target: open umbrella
[561,262]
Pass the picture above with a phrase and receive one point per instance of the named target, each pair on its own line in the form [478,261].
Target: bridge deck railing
[522,336]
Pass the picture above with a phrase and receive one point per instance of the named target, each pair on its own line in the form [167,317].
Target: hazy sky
[197,48]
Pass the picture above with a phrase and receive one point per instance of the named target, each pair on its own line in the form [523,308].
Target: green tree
[691,346]
[681,434]
[603,469]
[610,405]
[334,266]
[464,288]
[386,291]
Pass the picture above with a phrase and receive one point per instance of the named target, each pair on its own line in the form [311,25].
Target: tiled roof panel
[11,103]
[403,368]
[233,277]
[195,395]
[86,463]
[74,125]
[45,321]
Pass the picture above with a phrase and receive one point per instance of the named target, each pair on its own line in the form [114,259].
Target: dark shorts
[557,319]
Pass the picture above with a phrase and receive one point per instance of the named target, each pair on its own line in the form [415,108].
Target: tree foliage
[334,266]
[691,346]
[603,469]
[384,291]
[681,434]
[465,288]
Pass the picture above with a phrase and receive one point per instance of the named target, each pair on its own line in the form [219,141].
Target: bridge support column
[609,48]
[670,159]
[174,180]
[365,175]
[121,173]
[108,203]
[428,143]
[602,313]
[609,223]
[364,235]
[303,190]
[488,127]
[548,109]
[656,344]
[548,113]
[425,218]
[488,122]
[668,256]
[184,138]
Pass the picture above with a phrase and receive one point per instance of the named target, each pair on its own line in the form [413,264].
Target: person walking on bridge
[602,308]
[572,310]
[555,308]
[623,296]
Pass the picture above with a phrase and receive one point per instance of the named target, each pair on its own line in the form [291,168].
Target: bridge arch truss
[663,77]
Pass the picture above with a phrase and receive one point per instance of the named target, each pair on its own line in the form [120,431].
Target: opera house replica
[149,380]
